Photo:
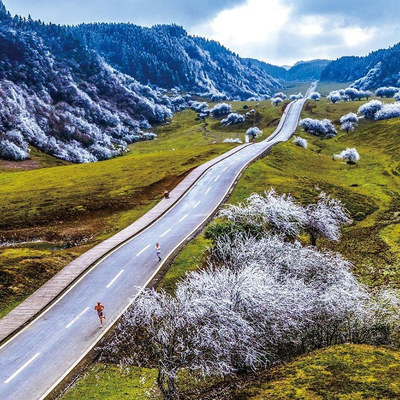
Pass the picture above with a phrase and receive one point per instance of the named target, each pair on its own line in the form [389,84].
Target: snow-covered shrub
[276,100]
[280,95]
[351,155]
[230,140]
[325,218]
[368,110]
[386,91]
[397,96]
[279,214]
[349,122]
[300,142]
[198,106]
[221,109]
[232,119]
[388,111]
[334,96]
[296,96]
[10,151]
[350,117]
[318,127]
[315,96]
[254,131]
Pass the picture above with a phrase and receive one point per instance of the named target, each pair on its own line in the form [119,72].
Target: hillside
[379,68]
[74,92]
[166,56]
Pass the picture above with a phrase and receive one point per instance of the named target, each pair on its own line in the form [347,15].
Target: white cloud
[246,27]
[275,31]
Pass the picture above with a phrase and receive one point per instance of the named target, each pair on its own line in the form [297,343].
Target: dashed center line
[77,317]
[141,251]
[215,180]
[185,216]
[169,230]
[196,204]
[225,169]
[22,368]
[208,190]
[115,278]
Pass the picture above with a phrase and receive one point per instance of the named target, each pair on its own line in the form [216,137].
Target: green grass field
[346,372]
[61,210]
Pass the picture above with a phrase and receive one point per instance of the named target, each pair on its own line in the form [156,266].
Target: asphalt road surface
[43,353]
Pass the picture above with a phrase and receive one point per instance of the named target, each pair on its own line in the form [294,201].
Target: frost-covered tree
[254,132]
[325,219]
[233,119]
[368,94]
[315,96]
[300,142]
[388,111]
[368,110]
[318,127]
[276,100]
[349,122]
[280,95]
[397,96]
[351,155]
[334,96]
[296,96]
[279,214]
[386,91]
[221,109]
[198,106]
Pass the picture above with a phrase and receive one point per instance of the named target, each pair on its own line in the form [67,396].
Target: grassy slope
[70,208]
[345,372]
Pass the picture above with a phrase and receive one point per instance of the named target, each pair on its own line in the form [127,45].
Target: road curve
[35,360]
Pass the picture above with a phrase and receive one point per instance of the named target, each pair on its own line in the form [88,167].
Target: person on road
[158,251]
[99,308]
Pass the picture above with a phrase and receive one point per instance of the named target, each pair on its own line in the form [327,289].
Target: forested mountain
[166,56]
[64,99]
[81,93]
[307,70]
[379,68]
[301,71]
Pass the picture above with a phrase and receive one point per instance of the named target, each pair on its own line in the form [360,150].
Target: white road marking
[22,368]
[225,169]
[77,317]
[141,251]
[208,190]
[196,204]
[215,180]
[115,278]
[169,230]
[183,218]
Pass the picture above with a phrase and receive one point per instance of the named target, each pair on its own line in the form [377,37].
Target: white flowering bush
[230,140]
[233,119]
[368,110]
[387,91]
[318,127]
[388,111]
[221,109]
[276,100]
[351,155]
[300,142]
[315,96]
[254,132]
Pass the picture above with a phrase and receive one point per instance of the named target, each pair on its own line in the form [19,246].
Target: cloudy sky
[277,31]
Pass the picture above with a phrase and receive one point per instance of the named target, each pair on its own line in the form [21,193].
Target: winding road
[39,357]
